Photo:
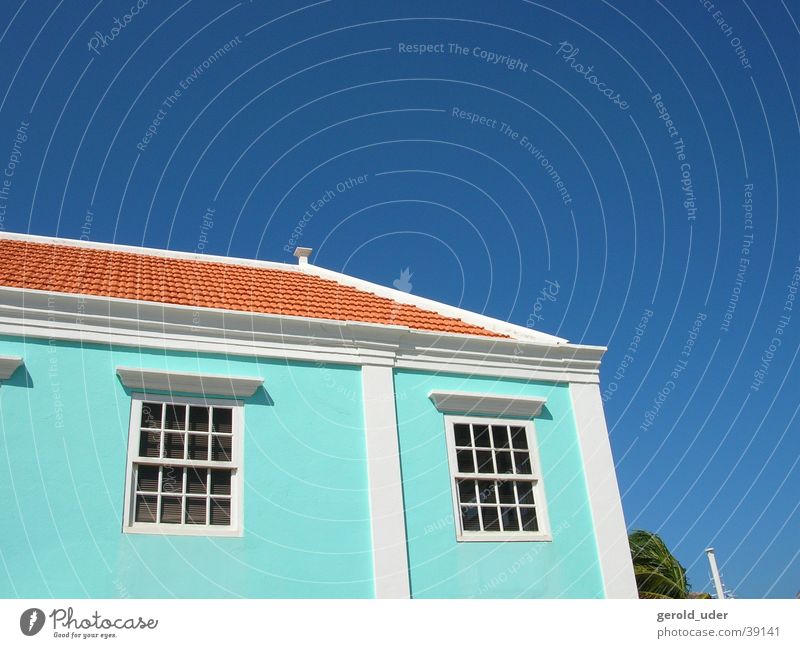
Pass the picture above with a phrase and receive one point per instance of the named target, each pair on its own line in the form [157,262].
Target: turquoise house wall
[440,566]
[63,447]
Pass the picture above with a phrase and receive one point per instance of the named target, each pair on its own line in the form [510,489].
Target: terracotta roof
[112,273]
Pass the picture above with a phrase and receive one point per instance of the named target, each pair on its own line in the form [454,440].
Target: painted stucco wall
[440,566]
[63,446]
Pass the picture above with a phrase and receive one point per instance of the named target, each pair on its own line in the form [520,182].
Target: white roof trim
[475,319]
[8,365]
[495,325]
[449,402]
[190,383]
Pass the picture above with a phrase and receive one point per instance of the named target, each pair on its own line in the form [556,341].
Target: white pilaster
[390,556]
[604,497]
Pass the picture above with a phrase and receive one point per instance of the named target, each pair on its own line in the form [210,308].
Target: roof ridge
[149,251]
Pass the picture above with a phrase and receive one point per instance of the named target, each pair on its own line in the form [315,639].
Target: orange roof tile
[207,284]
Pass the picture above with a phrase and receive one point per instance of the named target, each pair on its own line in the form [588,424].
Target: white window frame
[236,527]
[539,496]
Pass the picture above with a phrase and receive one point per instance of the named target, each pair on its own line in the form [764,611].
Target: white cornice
[90,319]
[189,383]
[8,365]
[449,402]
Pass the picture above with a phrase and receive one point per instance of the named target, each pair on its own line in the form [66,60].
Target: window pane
[523,463]
[529,522]
[525,492]
[465,461]
[171,479]
[504,462]
[484,458]
[220,511]
[491,520]
[171,510]
[147,478]
[220,482]
[506,492]
[198,419]
[176,417]
[196,481]
[221,447]
[462,434]
[510,521]
[173,445]
[466,491]
[198,446]
[149,444]
[500,436]
[223,420]
[145,508]
[469,518]
[518,438]
[481,435]
[195,510]
[151,415]
[487,493]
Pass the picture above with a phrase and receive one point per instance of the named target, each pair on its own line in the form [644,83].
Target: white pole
[712,560]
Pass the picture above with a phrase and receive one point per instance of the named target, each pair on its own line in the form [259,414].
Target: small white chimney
[302,254]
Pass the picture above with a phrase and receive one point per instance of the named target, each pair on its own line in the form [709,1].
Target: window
[497,488]
[184,467]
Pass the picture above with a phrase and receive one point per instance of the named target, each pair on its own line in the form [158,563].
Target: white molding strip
[8,365]
[449,402]
[102,320]
[604,497]
[390,559]
[189,383]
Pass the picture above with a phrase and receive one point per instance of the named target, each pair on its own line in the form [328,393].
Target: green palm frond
[655,583]
[652,595]
[658,572]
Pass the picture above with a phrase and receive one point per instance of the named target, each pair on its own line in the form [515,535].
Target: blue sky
[635,160]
